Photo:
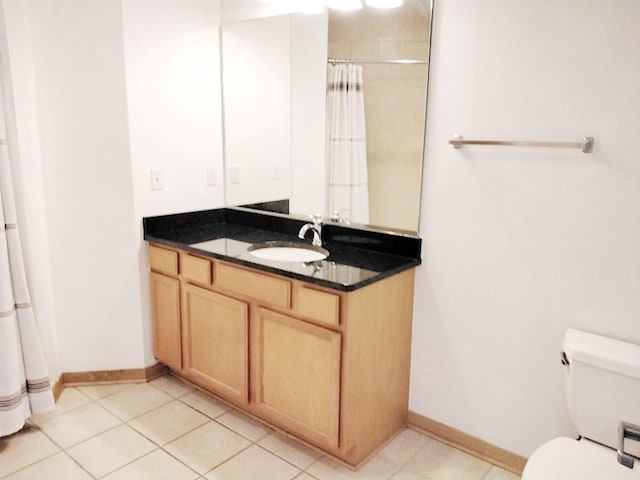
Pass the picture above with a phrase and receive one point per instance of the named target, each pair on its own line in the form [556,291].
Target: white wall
[520,244]
[172,62]
[274,83]
[75,92]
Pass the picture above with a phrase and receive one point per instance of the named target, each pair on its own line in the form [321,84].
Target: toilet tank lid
[607,353]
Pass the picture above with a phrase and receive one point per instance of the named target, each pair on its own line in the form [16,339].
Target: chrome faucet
[316,227]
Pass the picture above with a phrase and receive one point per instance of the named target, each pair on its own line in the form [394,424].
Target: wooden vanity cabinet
[297,375]
[165,307]
[327,366]
[215,331]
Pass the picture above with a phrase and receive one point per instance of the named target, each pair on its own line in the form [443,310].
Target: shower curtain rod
[399,62]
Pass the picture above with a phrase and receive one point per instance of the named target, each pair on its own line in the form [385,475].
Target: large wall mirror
[280,122]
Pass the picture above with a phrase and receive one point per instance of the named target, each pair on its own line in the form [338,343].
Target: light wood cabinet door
[298,375]
[165,312]
[216,342]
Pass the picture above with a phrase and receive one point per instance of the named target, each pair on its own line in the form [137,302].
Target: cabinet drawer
[319,305]
[163,260]
[256,285]
[195,269]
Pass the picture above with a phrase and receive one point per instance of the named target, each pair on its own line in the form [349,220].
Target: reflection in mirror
[275,100]
[393,48]
[273,76]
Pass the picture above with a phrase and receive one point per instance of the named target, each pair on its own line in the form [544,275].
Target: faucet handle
[316,219]
[337,217]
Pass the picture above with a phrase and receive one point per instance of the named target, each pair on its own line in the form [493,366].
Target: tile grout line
[62,449]
[226,408]
[251,441]
[96,401]
[124,422]
[210,419]
[232,408]
[162,447]
[227,459]
[158,446]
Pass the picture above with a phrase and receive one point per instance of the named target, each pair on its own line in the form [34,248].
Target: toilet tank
[602,385]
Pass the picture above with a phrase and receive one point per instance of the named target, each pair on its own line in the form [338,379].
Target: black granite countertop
[358,256]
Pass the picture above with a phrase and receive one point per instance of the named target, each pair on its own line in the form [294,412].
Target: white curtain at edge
[24,381]
[347,147]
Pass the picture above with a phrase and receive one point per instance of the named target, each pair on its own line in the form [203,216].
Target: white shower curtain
[347,146]
[24,382]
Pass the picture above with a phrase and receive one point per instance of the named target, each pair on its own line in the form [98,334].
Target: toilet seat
[567,459]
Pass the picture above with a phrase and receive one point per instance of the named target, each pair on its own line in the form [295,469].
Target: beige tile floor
[168,430]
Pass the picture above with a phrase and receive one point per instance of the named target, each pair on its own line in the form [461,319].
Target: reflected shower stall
[393,51]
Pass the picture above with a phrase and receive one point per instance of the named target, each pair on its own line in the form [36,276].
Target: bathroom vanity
[320,350]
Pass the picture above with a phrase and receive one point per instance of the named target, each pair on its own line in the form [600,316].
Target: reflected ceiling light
[310,6]
[384,3]
[344,4]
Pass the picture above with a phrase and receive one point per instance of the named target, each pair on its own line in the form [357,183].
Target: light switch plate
[234,175]
[157,179]
[212,178]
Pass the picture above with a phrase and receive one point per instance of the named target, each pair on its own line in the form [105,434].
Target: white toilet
[602,383]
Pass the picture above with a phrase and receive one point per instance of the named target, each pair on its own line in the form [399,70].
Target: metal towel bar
[586,145]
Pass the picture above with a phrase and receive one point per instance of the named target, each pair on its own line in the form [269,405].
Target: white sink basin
[288,252]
